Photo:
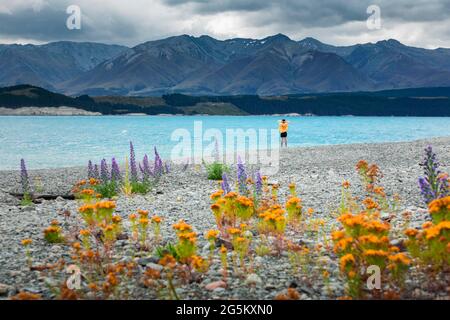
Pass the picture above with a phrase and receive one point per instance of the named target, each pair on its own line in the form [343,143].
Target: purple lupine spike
[115,171]
[167,167]
[435,184]
[146,170]
[158,167]
[241,177]
[426,191]
[96,173]
[24,178]
[133,165]
[258,184]
[225,185]
[104,172]
[90,170]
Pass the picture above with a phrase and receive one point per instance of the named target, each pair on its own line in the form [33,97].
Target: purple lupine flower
[225,185]
[133,165]
[24,178]
[96,173]
[258,184]
[90,170]
[241,177]
[104,172]
[115,171]
[158,167]
[435,184]
[167,167]
[146,170]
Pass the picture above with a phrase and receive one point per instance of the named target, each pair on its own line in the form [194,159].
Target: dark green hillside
[406,102]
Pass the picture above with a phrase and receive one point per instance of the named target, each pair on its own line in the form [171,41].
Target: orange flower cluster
[363,242]
[432,243]
[26,242]
[84,189]
[212,234]
[370,204]
[440,209]
[99,212]
[53,233]
[273,220]
[294,208]
[182,226]
[187,239]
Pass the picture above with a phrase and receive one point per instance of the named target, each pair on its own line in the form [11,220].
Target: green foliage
[141,187]
[107,190]
[216,170]
[169,248]
[26,200]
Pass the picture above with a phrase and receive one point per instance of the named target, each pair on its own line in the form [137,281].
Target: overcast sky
[422,23]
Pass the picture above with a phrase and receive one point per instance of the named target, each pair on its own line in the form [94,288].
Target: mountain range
[276,65]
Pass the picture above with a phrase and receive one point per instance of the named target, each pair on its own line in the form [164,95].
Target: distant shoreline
[419,102]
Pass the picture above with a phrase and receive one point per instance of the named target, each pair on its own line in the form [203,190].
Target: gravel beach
[184,194]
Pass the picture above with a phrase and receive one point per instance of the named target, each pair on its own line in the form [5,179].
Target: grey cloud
[49,24]
[125,22]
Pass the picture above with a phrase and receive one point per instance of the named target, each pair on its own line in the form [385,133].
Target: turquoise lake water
[46,142]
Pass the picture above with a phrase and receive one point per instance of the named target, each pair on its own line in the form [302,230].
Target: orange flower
[223,250]
[85,232]
[26,242]
[216,195]
[345,261]
[439,204]
[182,226]
[87,192]
[86,208]
[337,235]
[116,219]
[375,253]
[142,213]
[105,205]
[212,234]
[168,261]
[370,204]
[188,236]
[362,165]
[144,221]
[234,231]
[343,244]
[132,216]
[156,219]
[26,296]
[427,225]
[411,232]
[231,195]
[215,208]
[346,184]
[400,258]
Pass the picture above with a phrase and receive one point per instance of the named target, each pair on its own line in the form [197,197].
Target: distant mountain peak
[277,37]
[390,42]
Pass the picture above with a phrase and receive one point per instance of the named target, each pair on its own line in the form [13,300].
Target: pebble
[5,289]
[214,285]
[154,266]
[253,279]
